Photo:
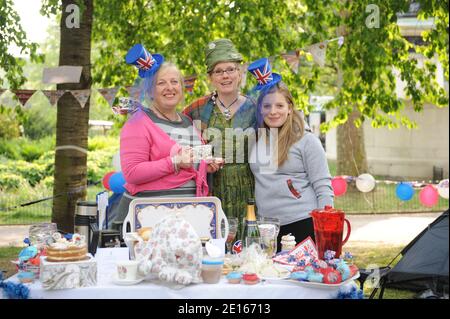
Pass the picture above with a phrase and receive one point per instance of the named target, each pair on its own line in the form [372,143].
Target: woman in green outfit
[227,120]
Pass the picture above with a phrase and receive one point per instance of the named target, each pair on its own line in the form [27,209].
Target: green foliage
[32,172]
[33,161]
[99,163]
[183,37]
[369,57]
[9,149]
[101,151]
[39,122]
[11,33]
[9,181]
[26,149]
[9,127]
[266,28]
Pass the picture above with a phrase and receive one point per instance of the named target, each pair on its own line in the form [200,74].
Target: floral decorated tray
[205,214]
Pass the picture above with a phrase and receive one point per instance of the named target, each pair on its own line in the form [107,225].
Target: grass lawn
[363,256]
[6,255]
[380,255]
[36,213]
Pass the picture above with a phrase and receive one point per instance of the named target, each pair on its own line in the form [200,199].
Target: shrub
[10,125]
[39,122]
[10,149]
[100,142]
[99,163]
[10,181]
[31,172]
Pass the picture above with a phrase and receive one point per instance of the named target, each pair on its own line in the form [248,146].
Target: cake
[234,277]
[63,250]
[250,279]
[288,242]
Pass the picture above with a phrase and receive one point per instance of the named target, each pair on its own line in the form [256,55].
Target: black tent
[424,262]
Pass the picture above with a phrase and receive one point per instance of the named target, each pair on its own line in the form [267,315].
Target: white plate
[272,279]
[122,282]
[205,214]
[320,285]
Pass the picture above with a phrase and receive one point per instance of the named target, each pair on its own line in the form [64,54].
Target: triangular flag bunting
[292,58]
[109,94]
[189,83]
[134,91]
[23,95]
[244,72]
[82,96]
[318,52]
[53,95]
[2,91]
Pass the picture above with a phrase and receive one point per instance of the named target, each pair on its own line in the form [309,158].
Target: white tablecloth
[153,289]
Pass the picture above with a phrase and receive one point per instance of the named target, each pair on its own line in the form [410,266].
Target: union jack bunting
[189,83]
[292,58]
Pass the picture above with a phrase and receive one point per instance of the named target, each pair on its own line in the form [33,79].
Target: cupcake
[26,276]
[250,279]
[288,242]
[234,277]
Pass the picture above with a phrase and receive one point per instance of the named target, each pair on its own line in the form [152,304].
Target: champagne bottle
[251,230]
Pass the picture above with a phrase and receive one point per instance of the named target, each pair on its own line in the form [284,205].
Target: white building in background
[421,153]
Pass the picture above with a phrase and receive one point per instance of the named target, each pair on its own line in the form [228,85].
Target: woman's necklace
[165,116]
[227,112]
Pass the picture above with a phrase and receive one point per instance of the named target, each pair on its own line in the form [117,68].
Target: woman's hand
[184,158]
[214,165]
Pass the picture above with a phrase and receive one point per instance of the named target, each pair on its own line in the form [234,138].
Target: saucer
[123,282]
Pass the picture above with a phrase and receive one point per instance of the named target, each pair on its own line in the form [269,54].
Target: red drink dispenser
[328,230]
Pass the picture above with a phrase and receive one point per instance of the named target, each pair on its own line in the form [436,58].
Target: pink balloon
[339,185]
[429,196]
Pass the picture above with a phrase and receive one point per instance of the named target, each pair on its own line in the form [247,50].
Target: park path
[392,229]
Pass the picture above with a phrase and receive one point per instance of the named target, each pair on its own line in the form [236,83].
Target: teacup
[127,270]
[202,152]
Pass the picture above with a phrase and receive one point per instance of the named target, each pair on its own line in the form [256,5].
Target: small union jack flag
[237,247]
[145,64]
[264,77]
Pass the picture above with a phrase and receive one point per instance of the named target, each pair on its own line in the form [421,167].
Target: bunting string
[293,58]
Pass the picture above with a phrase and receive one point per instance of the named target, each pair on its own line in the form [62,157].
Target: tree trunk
[351,151]
[72,120]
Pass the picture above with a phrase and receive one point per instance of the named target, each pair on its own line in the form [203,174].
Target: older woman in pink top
[156,146]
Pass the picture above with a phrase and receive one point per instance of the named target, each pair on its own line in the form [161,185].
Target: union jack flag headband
[146,63]
[262,72]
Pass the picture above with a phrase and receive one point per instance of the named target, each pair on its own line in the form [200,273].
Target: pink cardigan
[145,158]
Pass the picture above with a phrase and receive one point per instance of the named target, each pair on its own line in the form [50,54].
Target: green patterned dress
[234,183]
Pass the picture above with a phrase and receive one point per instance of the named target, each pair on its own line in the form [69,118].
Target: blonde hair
[291,131]
[153,79]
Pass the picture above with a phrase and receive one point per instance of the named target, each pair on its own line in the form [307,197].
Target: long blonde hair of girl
[291,131]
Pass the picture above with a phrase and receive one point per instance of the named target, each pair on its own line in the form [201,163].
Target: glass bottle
[251,231]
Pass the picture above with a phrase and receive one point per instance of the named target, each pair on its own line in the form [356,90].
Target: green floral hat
[221,50]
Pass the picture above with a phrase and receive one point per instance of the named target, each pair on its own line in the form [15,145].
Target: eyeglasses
[229,71]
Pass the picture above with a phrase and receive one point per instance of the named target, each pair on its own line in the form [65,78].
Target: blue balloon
[116,182]
[404,191]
